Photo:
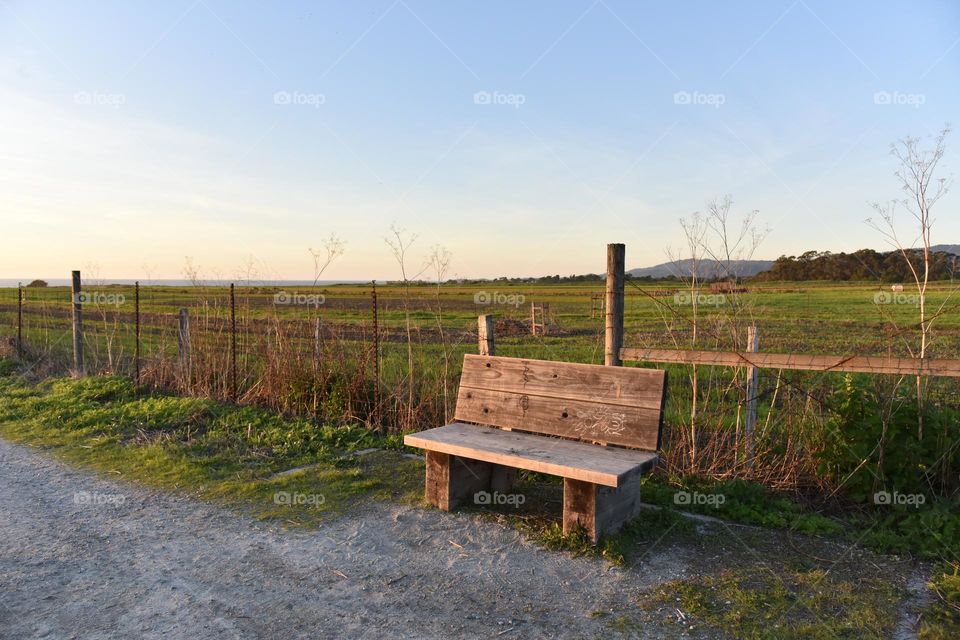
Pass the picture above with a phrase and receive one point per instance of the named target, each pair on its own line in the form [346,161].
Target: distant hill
[947,248]
[711,269]
[708,269]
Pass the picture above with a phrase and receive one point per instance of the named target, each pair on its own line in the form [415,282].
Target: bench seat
[607,466]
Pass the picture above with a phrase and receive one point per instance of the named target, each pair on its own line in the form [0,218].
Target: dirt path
[84,557]
[162,566]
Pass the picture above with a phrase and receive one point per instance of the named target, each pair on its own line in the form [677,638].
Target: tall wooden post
[20,321]
[233,344]
[485,335]
[614,302]
[75,290]
[183,344]
[753,388]
[375,414]
[136,317]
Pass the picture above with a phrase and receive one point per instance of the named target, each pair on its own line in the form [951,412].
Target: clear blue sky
[135,134]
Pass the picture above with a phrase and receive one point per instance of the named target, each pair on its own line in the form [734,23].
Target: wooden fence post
[183,344]
[614,303]
[753,384]
[485,335]
[75,290]
[136,315]
[233,344]
[20,321]
[375,312]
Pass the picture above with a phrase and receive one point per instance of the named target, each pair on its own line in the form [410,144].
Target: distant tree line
[865,264]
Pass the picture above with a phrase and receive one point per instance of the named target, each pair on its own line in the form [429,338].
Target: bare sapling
[400,244]
[439,263]
[923,189]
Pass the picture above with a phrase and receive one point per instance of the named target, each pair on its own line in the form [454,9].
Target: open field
[311,351]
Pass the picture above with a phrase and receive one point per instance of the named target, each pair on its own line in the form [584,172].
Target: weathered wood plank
[587,421]
[633,387]
[800,362]
[565,458]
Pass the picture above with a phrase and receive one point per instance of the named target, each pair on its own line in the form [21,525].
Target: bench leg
[502,478]
[598,509]
[451,479]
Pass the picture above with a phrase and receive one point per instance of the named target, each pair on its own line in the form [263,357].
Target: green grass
[797,604]
[207,449]
[942,620]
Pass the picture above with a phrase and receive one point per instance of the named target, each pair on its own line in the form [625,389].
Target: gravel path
[134,563]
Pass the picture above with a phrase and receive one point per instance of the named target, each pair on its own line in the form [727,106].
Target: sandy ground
[84,557]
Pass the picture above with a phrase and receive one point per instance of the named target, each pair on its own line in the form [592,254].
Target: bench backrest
[592,403]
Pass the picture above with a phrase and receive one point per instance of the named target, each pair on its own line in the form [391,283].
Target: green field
[422,331]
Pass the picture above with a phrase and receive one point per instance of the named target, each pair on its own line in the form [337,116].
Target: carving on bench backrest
[599,421]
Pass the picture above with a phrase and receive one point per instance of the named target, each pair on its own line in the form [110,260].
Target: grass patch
[798,604]
[207,449]
[941,621]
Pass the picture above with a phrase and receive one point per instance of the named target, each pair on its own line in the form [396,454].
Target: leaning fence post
[77,298]
[753,383]
[485,335]
[614,323]
[183,344]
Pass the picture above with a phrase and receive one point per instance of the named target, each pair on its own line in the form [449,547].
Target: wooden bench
[597,427]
